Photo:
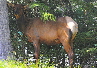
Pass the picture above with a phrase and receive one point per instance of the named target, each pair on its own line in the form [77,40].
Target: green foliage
[12,64]
[40,6]
[25,64]
[45,16]
[85,43]
[87,51]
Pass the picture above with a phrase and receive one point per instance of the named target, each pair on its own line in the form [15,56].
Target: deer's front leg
[37,49]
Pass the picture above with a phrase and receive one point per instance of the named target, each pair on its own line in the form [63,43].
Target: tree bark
[5,46]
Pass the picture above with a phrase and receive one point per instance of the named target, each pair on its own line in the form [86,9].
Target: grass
[18,64]
[12,64]
[25,64]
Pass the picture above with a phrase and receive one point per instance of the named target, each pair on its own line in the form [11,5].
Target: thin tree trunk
[5,46]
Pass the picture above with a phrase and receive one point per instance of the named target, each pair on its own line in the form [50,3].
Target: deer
[63,31]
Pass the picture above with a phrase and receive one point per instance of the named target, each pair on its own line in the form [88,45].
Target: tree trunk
[5,46]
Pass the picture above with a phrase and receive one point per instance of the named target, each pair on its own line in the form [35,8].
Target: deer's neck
[22,23]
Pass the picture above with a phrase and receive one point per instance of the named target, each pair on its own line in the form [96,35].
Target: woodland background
[84,12]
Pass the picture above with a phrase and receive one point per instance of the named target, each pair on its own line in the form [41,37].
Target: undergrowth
[19,64]
[25,64]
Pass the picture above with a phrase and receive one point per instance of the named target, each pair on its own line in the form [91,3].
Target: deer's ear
[10,4]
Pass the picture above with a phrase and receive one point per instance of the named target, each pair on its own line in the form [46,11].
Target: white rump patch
[72,24]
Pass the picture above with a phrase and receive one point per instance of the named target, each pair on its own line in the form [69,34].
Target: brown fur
[49,32]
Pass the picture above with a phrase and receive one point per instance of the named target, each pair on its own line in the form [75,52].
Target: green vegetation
[12,64]
[18,64]
[45,16]
[26,64]
[84,12]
